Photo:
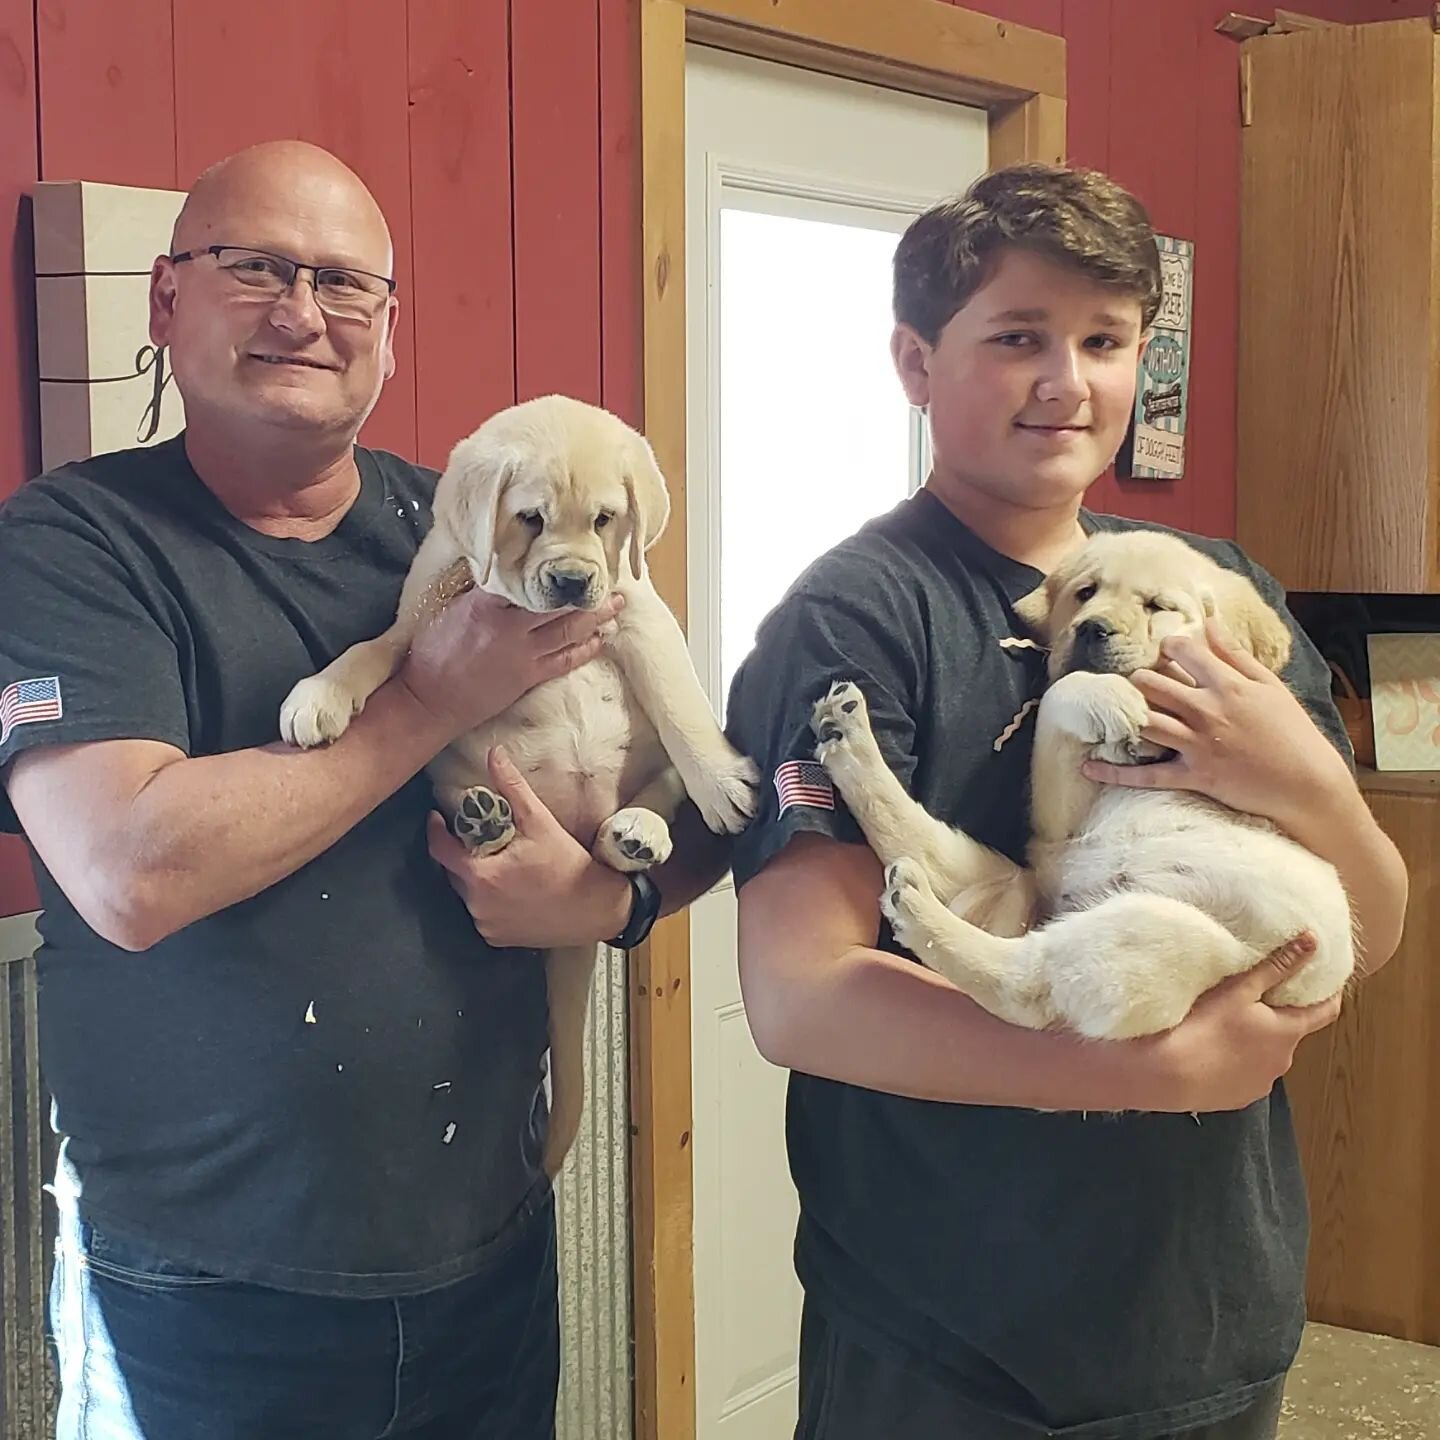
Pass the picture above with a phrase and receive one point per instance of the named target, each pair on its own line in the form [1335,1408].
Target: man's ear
[392,318]
[162,299]
[911,353]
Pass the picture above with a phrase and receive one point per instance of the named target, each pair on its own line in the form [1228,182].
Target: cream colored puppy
[553,504]
[1135,902]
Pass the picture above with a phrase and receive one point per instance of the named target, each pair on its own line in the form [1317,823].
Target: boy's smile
[1029,387]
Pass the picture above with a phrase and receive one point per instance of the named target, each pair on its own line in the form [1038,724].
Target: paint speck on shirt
[449,1133]
[324,894]
[443,1085]
[339,1069]
[310,1014]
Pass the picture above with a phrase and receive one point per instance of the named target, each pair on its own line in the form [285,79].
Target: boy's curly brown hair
[1078,218]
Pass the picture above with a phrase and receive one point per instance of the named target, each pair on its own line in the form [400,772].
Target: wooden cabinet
[1338,479]
[1366,1096]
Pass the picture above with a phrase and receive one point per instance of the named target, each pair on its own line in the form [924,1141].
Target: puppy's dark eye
[532,518]
[1087,592]
[603,519]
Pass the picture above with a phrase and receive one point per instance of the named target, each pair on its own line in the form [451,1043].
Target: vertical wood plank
[1087,66]
[328,74]
[1366,1097]
[461,288]
[19,402]
[1153,140]
[662,1187]
[1210,439]
[621,256]
[107,91]
[555,70]
[1032,130]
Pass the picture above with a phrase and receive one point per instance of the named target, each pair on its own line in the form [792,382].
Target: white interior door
[797,187]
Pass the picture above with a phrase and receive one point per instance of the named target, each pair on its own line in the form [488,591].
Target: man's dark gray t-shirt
[334,1086]
[1085,1275]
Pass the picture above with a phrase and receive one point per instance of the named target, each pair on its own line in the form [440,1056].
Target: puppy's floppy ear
[468,495]
[1254,624]
[1034,608]
[648,499]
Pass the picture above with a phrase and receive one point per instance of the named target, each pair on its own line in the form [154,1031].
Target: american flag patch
[804,782]
[26,702]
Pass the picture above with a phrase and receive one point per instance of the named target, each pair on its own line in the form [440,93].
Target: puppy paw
[839,719]
[725,793]
[483,821]
[1104,710]
[906,902]
[633,839]
[316,712]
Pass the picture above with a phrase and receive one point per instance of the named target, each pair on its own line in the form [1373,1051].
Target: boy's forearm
[871,1019]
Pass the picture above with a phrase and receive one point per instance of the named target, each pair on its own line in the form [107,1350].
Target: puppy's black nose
[569,586]
[1094,631]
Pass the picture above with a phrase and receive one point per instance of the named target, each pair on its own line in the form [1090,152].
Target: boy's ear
[911,353]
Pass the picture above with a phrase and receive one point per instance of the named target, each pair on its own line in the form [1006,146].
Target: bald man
[300,1098]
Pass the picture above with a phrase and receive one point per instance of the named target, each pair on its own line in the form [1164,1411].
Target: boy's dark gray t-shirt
[334,1086]
[1123,1276]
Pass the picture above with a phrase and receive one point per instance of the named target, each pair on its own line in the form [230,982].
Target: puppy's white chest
[581,741]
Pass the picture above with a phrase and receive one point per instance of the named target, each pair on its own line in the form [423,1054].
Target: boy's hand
[1241,737]
[543,889]
[1232,1047]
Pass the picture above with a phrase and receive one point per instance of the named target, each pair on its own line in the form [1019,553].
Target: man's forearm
[208,832]
[1344,832]
[699,859]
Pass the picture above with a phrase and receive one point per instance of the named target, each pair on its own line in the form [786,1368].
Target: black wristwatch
[644,911]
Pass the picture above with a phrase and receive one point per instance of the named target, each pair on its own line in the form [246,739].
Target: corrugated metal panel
[27,1392]
[593,1216]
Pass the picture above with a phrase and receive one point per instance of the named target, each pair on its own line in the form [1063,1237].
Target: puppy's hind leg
[569,975]
[997,972]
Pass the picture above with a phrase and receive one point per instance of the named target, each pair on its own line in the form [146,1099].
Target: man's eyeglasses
[349,294]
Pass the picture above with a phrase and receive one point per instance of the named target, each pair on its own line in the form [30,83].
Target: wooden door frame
[1017,75]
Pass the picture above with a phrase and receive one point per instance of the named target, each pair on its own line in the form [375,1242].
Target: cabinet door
[1366,1096]
[1338,423]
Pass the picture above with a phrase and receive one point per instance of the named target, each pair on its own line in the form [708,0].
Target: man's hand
[543,890]
[1232,1047]
[481,654]
[1241,737]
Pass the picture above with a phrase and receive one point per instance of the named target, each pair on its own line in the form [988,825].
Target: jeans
[152,1350]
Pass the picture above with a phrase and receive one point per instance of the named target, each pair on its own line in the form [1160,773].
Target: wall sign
[1154,449]
[102,383]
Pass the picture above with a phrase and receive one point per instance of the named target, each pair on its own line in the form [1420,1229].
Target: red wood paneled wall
[501,138]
